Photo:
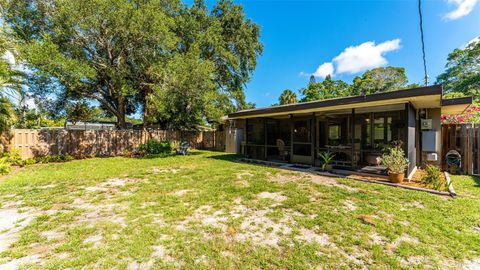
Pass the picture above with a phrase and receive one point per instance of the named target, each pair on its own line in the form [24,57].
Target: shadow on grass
[152,156]
[477,181]
[227,157]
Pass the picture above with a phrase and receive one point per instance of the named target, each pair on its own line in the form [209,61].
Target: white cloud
[324,69]
[365,56]
[463,8]
[355,59]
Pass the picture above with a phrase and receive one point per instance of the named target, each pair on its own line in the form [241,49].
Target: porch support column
[245,151]
[313,138]
[410,149]
[265,138]
[291,136]
[353,138]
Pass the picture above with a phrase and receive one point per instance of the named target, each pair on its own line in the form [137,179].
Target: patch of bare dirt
[52,235]
[242,183]
[182,192]
[157,170]
[244,174]
[311,236]
[257,226]
[275,196]
[413,261]
[12,221]
[17,263]
[286,178]
[390,247]
[94,239]
[378,239]
[349,205]
[314,178]
[472,265]
[415,204]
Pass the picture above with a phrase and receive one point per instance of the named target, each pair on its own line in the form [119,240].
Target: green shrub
[4,165]
[434,178]
[13,157]
[54,158]
[152,147]
[30,161]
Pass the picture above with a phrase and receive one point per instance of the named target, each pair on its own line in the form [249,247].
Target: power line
[423,43]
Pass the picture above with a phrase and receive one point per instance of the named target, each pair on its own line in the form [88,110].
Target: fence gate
[464,138]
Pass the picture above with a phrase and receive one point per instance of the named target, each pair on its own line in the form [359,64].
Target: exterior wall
[435,115]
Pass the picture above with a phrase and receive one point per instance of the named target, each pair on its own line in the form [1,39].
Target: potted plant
[326,157]
[395,160]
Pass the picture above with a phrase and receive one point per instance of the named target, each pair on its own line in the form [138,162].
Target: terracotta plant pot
[396,177]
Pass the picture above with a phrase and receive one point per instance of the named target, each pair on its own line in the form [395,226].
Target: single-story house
[355,129]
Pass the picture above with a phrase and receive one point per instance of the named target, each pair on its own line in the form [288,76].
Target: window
[334,132]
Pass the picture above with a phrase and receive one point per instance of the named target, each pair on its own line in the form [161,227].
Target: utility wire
[423,43]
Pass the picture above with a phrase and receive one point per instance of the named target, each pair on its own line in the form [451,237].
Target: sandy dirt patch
[17,263]
[182,192]
[94,239]
[157,170]
[472,265]
[314,178]
[12,221]
[349,205]
[243,174]
[390,247]
[311,236]
[257,226]
[276,196]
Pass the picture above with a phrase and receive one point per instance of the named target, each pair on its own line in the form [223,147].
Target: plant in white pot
[397,164]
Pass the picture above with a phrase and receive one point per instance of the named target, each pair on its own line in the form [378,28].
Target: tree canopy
[372,81]
[380,79]
[287,97]
[10,81]
[325,89]
[462,71]
[156,57]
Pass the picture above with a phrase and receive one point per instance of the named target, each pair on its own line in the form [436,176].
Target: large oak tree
[127,54]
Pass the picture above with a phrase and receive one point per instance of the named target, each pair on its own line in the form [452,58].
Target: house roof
[423,97]
[456,105]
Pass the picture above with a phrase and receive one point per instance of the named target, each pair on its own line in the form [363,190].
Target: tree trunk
[121,124]
[145,114]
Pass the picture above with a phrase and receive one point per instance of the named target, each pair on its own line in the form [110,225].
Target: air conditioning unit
[432,157]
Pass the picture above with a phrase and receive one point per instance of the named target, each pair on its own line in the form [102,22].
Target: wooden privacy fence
[464,138]
[32,142]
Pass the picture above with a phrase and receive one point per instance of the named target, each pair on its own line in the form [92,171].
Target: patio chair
[183,148]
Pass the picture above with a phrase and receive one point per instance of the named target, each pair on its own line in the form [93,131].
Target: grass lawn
[205,211]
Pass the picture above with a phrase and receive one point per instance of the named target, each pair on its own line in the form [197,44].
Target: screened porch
[356,137]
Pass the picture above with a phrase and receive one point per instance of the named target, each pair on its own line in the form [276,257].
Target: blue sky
[299,36]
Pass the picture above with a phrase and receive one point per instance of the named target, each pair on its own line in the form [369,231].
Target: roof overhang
[423,97]
[456,105]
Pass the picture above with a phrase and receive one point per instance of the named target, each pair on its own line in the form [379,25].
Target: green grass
[203,211]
